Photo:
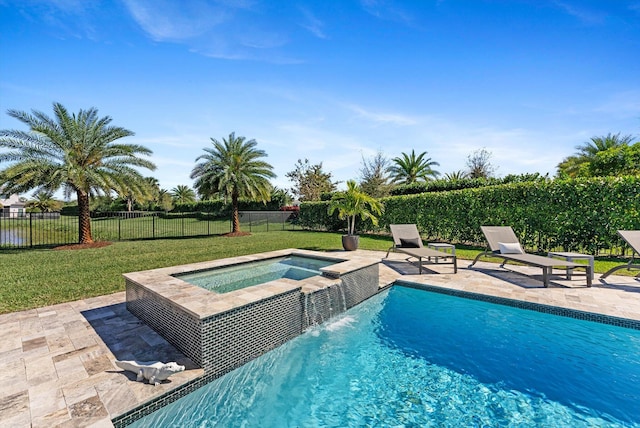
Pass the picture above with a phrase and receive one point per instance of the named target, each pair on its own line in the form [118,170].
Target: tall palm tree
[409,169]
[74,151]
[233,169]
[182,194]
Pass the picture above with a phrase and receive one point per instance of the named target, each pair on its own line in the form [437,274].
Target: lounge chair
[504,244]
[632,237]
[407,240]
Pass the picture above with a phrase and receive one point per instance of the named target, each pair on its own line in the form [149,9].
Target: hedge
[442,185]
[575,215]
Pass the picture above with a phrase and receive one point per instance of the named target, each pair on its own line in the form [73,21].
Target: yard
[42,277]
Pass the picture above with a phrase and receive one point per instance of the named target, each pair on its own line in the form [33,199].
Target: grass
[36,278]
[42,277]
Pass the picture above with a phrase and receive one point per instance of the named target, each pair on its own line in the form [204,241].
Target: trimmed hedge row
[442,185]
[570,214]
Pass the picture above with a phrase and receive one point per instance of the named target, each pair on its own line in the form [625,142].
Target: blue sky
[333,81]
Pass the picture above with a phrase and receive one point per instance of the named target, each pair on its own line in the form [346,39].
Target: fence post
[30,231]
[153,225]
[119,229]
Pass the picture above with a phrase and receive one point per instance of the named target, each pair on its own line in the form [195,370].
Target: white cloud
[313,24]
[166,20]
[230,30]
[382,118]
[259,39]
[385,10]
[582,14]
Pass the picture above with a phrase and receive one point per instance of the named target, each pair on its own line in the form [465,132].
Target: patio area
[57,363]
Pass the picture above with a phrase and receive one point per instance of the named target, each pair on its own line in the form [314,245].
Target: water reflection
[10,237]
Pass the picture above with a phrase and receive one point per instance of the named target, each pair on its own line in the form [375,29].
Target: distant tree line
[81,154]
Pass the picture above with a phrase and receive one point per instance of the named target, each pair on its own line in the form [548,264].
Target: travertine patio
[57,363]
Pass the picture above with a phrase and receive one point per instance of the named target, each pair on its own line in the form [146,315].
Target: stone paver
[57,363]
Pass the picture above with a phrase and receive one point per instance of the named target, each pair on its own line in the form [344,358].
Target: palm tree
[573,166]
[281,196]
[233,169]
[76,152]
[354,203]
[456,175]
[154,190]
[409,169]
[599,144]
[577,165]
[138,196]
[182,194]
[44,202]
[164,200]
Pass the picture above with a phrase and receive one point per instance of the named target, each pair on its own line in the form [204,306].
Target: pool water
[231,278]
[408,357]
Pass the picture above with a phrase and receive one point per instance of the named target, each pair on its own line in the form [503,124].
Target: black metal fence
[265,221]
[38,230]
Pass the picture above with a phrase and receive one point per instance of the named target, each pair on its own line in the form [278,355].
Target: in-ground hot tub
[222,331]
[235,277]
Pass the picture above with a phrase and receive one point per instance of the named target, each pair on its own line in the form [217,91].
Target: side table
[568,256]
[442,246]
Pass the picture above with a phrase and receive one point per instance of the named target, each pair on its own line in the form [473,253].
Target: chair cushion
[410,242]
[510,248]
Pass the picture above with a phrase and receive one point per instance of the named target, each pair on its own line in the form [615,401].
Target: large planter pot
[350,242]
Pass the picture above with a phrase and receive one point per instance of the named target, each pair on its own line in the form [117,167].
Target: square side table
[442,246]
[568,256]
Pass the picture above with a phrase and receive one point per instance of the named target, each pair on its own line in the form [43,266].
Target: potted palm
[351,204]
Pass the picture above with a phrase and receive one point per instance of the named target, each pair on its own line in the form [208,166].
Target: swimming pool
[231,278]
[407,357]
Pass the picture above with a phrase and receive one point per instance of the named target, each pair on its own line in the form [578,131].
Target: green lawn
[36,278]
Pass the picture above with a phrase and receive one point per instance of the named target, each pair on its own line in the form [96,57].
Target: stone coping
[202,303]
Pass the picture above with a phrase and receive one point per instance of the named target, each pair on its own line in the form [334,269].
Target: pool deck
[57,362]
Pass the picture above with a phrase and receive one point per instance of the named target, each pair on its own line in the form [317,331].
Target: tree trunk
[235,216]
[84,218]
